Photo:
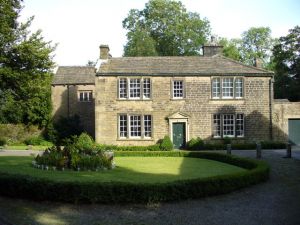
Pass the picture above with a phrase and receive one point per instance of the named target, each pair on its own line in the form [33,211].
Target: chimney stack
[104,52]
[212,48]
[258,63]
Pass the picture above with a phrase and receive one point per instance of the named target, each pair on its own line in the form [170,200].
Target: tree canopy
[25,69]
[165,28]
[286,59]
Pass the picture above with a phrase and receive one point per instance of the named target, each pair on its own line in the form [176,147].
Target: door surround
[179,117]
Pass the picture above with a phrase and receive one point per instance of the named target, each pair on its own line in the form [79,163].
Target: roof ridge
[242,64]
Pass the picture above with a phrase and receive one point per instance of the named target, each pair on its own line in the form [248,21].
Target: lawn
[129,169]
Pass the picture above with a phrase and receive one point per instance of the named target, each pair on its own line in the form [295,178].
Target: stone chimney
[104,52]
[258,63]
[212,48]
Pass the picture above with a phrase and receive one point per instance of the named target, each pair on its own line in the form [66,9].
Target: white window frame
[138,126]
[220,125]
[177,88]
[85,95]
[134,88]
[223,88]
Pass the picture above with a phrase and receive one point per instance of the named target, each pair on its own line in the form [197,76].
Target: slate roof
[178,65]
[74,75]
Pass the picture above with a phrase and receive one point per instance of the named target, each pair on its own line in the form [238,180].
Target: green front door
[294,131]
[179,135]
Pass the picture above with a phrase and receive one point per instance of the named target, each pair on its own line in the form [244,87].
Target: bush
[80,153]
[243,146]
[166,144]
[272,145]
[3,141]
[195,144]
[227,140]
[38,140]
[119,192]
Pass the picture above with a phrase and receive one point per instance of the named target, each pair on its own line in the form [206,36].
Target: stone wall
[197,104]
[64,107]
[283,111]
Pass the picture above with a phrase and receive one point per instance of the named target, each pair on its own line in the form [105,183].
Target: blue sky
[80,26]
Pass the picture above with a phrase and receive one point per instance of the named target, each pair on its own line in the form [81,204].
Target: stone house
[139,100]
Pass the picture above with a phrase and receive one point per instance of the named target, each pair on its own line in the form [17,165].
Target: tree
[256,43]
[231,48]
[25,69]
[166,29]
[286,59]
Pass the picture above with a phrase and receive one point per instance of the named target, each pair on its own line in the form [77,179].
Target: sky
[80,26]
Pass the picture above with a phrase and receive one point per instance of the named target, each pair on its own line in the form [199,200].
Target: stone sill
[135,139]
[227,101]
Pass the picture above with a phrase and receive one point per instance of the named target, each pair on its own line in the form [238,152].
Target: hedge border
[29,187]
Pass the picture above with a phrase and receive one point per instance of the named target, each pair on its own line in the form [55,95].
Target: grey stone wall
[64,107]
[197,104]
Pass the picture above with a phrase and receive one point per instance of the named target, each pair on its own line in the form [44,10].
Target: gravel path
[275,202]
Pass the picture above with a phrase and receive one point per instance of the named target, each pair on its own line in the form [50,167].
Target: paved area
[275,202]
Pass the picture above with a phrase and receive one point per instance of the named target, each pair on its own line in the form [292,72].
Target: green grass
[129,169]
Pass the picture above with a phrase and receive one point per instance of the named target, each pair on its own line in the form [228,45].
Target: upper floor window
[85,96]
[178,89]
[134,88]
[227,88]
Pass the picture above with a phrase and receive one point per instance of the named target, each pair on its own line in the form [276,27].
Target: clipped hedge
[31,187]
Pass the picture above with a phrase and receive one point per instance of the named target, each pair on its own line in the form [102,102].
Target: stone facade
[197,106]
[65,102]
[283,111]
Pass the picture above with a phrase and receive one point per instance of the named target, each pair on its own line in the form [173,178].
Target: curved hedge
[30,187]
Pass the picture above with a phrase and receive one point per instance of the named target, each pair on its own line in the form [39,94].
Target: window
[123,125]
[134,88]
[238,87]
[123,88]
[216,88]
[228,125]
[177,89]
[85,96]
[227,88]
[240,125]
[217,125]
[135,126]
[147,125]
[146,88]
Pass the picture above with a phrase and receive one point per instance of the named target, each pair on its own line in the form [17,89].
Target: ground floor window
[228,125]
[135,126]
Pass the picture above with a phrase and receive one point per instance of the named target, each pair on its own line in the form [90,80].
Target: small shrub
[195,144]
[226,140]
[243,146]
[166,144]
[3,141]
[37,140]
[272,145]
[85,142]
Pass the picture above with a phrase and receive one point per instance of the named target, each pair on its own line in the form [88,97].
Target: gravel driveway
[275,202]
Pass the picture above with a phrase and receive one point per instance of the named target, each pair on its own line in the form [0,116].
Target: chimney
[104,52]
[212,48]
[258,63]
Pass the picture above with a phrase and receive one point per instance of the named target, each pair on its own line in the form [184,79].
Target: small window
[217,125]
[135,88]
[123,88]
[178,89]
[239,88]
[85,96]
[216,88]
[146,88]
[240,125]
[227,87]
[135,126]
[147,126]
[123,126]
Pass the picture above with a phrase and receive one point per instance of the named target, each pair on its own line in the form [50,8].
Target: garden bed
[173,176]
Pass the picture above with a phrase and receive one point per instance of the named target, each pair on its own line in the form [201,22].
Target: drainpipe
[68,99]
[270,108]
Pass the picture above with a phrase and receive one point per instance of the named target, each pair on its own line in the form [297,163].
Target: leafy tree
[286,59]
[231,48]
[167,29]
[25,69]
[256,43]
